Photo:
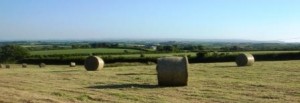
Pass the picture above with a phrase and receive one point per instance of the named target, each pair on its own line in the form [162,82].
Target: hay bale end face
[72,64]
[93,63]
[7,66]
[172,71]
[245,59]
[42,65]
[24,65]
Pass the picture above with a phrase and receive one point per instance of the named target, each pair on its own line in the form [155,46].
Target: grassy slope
[277,81]
[74,51]
[153,55]
[266,52]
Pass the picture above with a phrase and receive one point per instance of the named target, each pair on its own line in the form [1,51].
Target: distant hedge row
[258,57]
[87,54]
[80,60]
[205,59]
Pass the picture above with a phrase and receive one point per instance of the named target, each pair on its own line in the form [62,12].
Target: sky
[262,20]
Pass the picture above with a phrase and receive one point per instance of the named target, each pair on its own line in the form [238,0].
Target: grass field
[152,55]
[136,53]
[265,82]
[75,51]
[266,52]
[112,50]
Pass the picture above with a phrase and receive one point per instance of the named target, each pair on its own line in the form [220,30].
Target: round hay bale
[172,71]
[7,66]
[42,65]
[93,63]
[24,65]
[244,59]
[1,66]
[72,64]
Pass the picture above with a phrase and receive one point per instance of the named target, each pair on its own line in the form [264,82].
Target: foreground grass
[277,81]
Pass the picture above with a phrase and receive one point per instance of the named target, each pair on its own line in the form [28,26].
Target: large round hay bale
[42,65]
[72,64]
[24,65]
[244,59]
[172,71]
[7,66]
[93,63]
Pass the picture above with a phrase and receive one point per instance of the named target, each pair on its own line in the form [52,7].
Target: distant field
[112,50]
[265,82]
[74,51]
[193,54]
[265,52]
[153,55]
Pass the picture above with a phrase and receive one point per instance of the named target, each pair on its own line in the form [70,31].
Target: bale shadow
[124,86]
[226,66]
[65,71]
[136,74]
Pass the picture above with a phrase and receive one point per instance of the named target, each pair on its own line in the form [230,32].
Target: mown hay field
[272,81]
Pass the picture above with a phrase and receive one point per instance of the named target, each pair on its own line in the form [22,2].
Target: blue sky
[142,19]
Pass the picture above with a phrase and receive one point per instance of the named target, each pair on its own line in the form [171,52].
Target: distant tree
[104,45]
[200,47]
[85,46]
[225,48]
[61,57]
[168,48]
[188,47]
[175,48]
[193,47]
[250,48]
[159,48]
[201,55]
[234,48]
[114,45]
[55,46]
[75,46]
[126,51]
[12,53]
[142,55]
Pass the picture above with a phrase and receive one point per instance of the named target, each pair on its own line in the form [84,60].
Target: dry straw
[93,63]
[42,65]
[1,66]
[245,59]
[72,64]
[172,71]
[24,65]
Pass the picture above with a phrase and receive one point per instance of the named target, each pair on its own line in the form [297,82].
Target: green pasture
[152,55]
[80,51]
[263,52]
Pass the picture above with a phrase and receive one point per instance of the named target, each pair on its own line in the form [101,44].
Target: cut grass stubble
[277,81]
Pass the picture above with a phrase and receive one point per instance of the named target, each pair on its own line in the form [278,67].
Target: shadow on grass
[123,86]
[227,66]
[135,74]
[64,71]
